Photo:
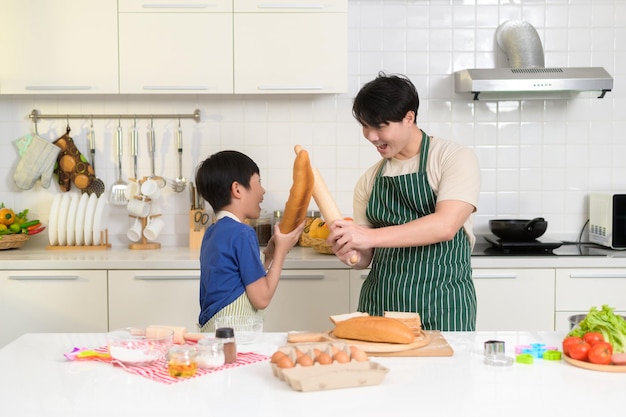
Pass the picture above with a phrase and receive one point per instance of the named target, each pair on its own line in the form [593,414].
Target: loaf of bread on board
[300,193]
[374,329]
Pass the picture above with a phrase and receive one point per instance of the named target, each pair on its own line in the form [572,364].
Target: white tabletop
[37,380]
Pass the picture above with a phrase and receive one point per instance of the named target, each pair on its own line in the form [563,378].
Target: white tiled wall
[538,158]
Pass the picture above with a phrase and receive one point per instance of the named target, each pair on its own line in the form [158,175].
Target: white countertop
[36,380]
[37,257]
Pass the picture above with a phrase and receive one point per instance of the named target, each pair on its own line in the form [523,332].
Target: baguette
[300,193]
[374,329]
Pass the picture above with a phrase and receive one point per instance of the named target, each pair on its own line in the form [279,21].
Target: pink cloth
[158,370]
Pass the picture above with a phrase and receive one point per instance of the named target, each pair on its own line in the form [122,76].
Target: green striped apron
[433,280]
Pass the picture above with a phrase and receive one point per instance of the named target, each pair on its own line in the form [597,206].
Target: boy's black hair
[385,99]
[216,174]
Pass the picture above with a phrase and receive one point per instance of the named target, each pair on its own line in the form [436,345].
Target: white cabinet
[577,290]
[292,46]
[53,48]
[153,297]
[305,299]
[357,277]
[514,299]
[52,301]
[176,47]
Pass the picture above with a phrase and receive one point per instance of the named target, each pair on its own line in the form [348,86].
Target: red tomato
[579,350]
[593,337]
[600,353]
[568,341]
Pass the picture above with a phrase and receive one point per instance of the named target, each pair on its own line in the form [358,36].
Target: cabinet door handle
[494,276]
[178,6]
[596,275]
[57,87]
[289,6]
[44,278]
[290,87]
[310,276]
[166,277]
[177,87]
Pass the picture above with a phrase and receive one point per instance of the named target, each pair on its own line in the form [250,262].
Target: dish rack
[95,208]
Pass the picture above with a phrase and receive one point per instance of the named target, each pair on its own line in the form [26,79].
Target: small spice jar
[227,337]
[210,353]
[181,361]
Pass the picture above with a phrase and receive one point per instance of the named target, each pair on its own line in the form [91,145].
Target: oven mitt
[38,157]
[71,166]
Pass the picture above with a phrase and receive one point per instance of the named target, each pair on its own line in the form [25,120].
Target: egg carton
[334,375]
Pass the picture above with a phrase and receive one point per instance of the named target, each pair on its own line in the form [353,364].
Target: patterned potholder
[71,166]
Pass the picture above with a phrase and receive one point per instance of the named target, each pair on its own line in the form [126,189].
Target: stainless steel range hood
[527,75]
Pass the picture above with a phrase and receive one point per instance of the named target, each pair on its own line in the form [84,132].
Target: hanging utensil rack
[35,116]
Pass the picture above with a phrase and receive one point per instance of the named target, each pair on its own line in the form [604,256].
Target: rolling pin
[325,202]
[181,336]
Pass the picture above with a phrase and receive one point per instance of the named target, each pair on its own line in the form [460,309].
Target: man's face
[391,138]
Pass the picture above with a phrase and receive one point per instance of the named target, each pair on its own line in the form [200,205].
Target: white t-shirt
[452,171]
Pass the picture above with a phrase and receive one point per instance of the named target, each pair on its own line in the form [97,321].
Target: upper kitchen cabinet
[49,48]
[293,46]
[175,47]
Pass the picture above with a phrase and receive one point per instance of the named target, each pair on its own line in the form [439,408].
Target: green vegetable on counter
[612,327]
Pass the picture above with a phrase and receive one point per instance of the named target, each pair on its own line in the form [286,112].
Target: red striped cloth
[158,370]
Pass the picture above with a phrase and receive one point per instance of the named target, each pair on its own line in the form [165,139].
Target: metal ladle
[151,147]
[180,182]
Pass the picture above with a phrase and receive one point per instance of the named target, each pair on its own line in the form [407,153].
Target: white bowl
[139,346]
[247,328]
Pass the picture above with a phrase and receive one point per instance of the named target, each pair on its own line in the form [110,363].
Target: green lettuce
[612,327]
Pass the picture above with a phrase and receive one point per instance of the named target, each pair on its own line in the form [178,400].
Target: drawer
[580,289]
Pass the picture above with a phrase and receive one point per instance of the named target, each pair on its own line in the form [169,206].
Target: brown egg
[316,352]
[334,349]
[324,359]
[341,357]
[357,354]
[285,362]
[304,360]
[298,352]
[277,355]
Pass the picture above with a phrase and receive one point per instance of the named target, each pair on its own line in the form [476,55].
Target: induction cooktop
[540,244]
[490,245]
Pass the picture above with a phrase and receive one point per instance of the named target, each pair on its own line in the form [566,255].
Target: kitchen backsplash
[538,157]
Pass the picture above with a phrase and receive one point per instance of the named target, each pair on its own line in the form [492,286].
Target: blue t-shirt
[229,261]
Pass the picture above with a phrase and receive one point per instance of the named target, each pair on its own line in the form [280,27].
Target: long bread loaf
[300,193]
[374,329]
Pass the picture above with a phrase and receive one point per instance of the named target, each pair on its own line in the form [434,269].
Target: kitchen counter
[37,380]
[36,257]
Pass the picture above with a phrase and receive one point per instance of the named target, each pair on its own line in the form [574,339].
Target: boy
[233,281]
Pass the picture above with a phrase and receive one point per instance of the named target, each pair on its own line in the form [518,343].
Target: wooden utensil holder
[195,236]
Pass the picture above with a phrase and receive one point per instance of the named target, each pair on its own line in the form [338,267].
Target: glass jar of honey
[181,361]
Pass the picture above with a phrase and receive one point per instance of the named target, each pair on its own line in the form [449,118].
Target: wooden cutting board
[427,343]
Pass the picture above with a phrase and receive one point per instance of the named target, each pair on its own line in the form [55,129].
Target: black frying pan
[517,230]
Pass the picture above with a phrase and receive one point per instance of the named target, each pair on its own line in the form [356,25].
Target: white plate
[53,236]
[71,219]
[89,213]
[80,219]
[98,220]
[62,220]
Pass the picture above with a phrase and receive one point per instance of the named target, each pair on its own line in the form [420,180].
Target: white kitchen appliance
[607,220]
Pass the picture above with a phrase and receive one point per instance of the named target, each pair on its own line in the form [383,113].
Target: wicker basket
[12,241]
[320,246]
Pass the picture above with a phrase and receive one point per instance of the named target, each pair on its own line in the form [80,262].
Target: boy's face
[253,197]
